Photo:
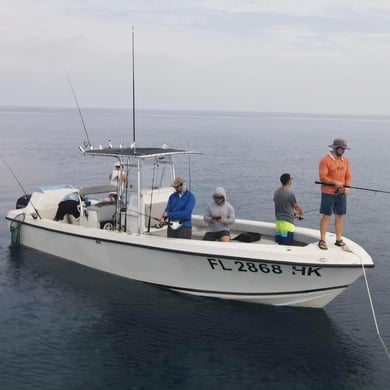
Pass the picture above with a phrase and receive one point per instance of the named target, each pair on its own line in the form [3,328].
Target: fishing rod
[189,172]
[300,216]
[355,188]
[78,107]
[20,185]
[151,198]
[133,72]
[174,224]
[145,215]
[311,211]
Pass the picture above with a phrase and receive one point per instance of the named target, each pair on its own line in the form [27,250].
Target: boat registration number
[247,266]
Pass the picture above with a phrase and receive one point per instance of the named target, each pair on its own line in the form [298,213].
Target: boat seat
[104,211]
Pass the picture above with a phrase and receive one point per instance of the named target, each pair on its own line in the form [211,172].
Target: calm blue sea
[63,326]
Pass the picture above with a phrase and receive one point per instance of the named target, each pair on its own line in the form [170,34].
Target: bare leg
[225,239]
[338,225]
[324,224]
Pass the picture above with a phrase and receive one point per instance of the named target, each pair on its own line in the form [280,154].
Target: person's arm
[299,209]
[323,171]
[207,215]
[164,215]
[348,178]
[348,175]
[124,178]
[229,220]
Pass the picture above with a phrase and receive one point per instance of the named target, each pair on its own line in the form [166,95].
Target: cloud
[315,56]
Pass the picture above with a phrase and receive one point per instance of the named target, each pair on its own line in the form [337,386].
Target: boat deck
[198,233]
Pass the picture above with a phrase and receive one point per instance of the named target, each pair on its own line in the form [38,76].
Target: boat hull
[235,271]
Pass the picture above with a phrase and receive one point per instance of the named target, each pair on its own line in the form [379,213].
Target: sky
[298,56]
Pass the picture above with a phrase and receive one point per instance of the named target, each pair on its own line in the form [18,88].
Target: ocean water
[63,326]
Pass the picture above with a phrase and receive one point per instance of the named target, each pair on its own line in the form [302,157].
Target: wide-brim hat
[117,164]
[339,143]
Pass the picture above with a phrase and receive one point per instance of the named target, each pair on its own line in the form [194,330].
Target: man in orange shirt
[334,170]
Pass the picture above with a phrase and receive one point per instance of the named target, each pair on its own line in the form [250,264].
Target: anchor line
[373,312]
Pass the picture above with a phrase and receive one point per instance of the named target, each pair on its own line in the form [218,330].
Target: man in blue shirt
[178,212]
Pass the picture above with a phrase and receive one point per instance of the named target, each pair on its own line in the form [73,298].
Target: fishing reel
[339,191]
[174,225]
[160,225]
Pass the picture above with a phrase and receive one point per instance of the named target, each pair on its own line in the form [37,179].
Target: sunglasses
[218,197]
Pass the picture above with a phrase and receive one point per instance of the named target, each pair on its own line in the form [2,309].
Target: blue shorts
[333,204]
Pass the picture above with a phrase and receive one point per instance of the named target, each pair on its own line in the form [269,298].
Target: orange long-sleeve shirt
[332,169]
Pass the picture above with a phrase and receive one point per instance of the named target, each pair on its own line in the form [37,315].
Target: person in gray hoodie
[219,216]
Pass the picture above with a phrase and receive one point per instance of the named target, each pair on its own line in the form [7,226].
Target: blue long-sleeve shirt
[179,208]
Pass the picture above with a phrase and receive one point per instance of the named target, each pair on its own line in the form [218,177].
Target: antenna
[132,56]
[189,171]
[78,107]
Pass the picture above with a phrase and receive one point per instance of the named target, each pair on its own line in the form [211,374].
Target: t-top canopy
[139,153]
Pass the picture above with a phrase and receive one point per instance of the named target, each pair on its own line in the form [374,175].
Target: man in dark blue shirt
[178,212]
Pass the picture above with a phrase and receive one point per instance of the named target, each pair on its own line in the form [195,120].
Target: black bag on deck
[248,237]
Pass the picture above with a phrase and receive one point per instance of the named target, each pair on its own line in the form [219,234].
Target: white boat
[123,238]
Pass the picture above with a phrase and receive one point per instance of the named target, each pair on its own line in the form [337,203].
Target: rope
[373,311]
